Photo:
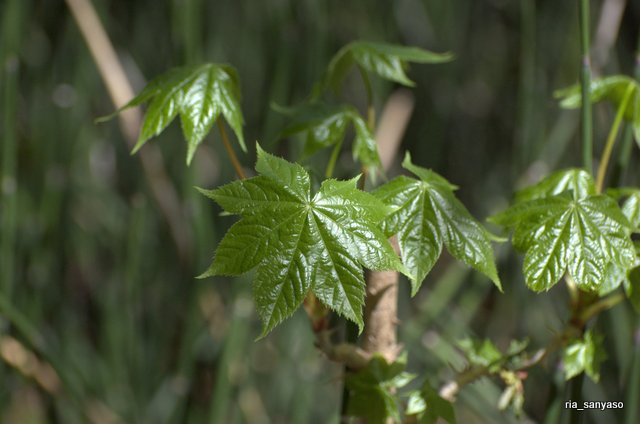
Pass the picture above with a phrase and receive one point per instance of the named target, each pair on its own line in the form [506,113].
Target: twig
[120,91]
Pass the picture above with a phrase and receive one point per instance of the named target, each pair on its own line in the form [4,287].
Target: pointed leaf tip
[198,94]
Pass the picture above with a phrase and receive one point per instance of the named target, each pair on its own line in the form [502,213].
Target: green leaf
[631,209]
[632,288]
[388,61]
[326,125]
[578,181]
[427,215]
[372,389]
[429,407]
[299,242]
[481,353]
[584,355]
[612,88]
[199,94]
[560,234]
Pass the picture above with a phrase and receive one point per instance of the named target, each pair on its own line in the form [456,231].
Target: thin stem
[585,81]
[611,139]
[335,153]
[627,140]
[371,112]
[120,90]
[232,155]
[600,306]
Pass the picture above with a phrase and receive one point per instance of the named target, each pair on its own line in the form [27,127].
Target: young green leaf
[199,94]
[427,215]
[299,242]
[388,61]
[560,234]
[372,390]
[427,405]
[326,126]
[578,181]
[612,88]
[584,355]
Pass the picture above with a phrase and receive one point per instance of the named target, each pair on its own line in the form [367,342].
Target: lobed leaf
[585,237]
[388,61]
[300,243]
[198,94]
[427,215]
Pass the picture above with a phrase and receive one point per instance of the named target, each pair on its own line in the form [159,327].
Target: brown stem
[381,312]
[348,354]
[121,91]
[230,151]
[381,307]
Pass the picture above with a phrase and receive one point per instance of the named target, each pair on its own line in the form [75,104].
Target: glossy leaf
[578,181]
[612,88]
[427,215]
[631,209]
[299,242]
[388,61]
[372,390]
[584,355]
[560,234]
[199,94]
[429,408]
[326,125]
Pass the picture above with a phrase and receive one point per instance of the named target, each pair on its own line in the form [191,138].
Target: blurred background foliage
[102,319]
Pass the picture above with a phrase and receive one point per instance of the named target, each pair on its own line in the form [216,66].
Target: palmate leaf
[299,242]
[427,215]
[584,236]
[388,61]
[326,125]
[199,94]
[613,88]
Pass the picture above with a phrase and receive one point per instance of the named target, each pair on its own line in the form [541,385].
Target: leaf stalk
[611,139]
[232,154]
